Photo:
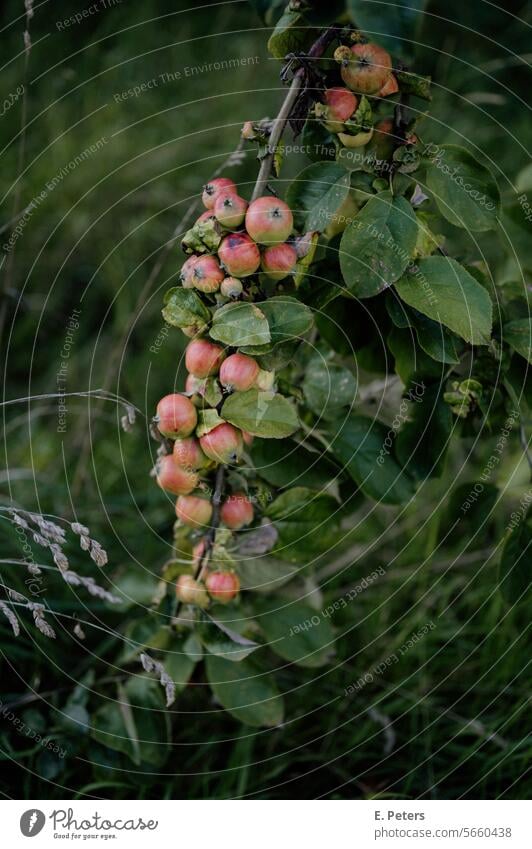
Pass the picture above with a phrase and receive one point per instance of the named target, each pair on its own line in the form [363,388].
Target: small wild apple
[214,187]
[222,586]
[193,511]
[223,444]
[176,416]
[239,254]
[230,210]
[174,478]
[269,221]
[237,511]
[203,358]
[278,261]
[190,591]
[239,372]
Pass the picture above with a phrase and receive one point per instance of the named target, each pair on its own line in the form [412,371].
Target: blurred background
[111,123]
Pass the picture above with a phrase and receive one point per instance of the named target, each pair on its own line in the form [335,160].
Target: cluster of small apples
[366,70]
[193,458]
[230,242]
[242,239]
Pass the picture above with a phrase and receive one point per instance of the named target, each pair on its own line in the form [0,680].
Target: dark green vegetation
[447,717]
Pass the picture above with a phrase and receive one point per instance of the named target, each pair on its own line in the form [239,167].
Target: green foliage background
[449,720]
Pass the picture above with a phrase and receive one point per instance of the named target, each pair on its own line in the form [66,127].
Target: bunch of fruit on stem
[367,72]
[236,240]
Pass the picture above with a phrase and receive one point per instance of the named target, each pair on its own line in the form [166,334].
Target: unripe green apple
[269,221]
[239,254]
[190,591]
[358,140]
[174,478]
[230,210]
[237,511]
[188,453]
[223,444]
[222,586]
[239,372]
[278,261]
[176,416]
[206,274]
[231,287]
[212,189]
[203,358]
[193,511]
[367,69]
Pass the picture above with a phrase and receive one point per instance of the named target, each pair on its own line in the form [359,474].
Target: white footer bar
[267,824]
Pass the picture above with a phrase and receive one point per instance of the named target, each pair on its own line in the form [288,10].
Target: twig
[279,123]
[215,521]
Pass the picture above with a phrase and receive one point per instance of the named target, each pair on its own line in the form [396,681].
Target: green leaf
[280,356]
[178,664]
[245,691]
[288,318]
[514,567]
[317,194]
[221,639]
[328,388]
[415,84]
[394,26]
[306,522]
[183,307]
[290,35]
[422,442]
[440,288]
[317,141]
[297,633]
[207,421]
[410,359]
[465,191]
[365,447]
[468,506]
[264,574]
[239,325]
[136,723]
[289,463]
[518,334]
[264,414]
[377,244]
[523,182]
[212,392]
[434,338]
